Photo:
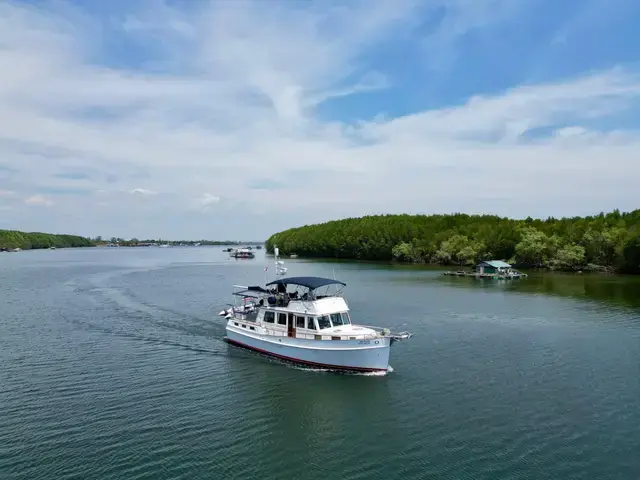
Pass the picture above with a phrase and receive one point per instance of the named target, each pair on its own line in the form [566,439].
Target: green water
[114,367]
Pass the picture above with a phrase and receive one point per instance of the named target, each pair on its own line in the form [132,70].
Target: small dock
[495,276]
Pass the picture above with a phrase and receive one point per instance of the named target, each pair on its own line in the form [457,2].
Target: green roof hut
[493,267]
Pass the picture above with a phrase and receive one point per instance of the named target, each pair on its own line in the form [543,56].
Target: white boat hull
[354,355]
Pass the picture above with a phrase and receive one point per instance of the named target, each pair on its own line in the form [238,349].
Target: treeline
[11,239]
[608,242]
[133,242]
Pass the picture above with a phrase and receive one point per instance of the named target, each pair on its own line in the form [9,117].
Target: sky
[237,119]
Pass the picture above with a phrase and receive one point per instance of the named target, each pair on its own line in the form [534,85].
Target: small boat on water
[292,319]
[241,253]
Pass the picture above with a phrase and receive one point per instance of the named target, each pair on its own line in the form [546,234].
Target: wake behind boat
[292,319]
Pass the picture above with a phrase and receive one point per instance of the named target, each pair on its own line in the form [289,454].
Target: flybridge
[311,283]
[279,295]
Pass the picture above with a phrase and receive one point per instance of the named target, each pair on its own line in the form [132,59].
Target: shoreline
[606,242]
[601,270]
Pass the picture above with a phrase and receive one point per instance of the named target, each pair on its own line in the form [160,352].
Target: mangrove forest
[604,242]
[12,239]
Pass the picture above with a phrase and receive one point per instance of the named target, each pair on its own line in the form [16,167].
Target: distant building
[493,266]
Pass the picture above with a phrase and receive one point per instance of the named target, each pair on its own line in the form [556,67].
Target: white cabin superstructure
[290,319]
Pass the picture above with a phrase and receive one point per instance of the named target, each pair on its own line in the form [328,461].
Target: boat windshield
[333,320]
[324,322]
[336,319]
[341,318]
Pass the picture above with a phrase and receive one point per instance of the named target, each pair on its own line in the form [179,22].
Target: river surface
[113,366]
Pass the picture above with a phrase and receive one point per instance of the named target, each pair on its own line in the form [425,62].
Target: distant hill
[603,242]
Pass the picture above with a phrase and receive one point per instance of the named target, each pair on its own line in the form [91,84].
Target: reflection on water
[622,290]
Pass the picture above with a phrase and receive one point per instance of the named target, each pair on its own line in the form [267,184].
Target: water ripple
[120,370]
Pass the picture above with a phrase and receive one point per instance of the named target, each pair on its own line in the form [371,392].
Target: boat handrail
[388,333]
[312,336]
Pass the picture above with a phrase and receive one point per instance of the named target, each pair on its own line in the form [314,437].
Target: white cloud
[205,201]
[143,191]
[510,114]
[227,94]
[38,200]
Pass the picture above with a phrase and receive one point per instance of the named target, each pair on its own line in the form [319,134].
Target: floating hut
[491,269]
[493,266]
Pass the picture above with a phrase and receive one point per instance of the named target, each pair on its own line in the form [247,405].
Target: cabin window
[269,317]
[300,322]
[336,319]
[345,318]
[310,324]
[324,322]
[282,319]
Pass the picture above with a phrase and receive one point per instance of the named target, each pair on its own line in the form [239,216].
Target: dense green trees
[602,242]
[10,239]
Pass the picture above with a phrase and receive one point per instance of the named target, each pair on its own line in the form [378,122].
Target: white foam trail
[343,372]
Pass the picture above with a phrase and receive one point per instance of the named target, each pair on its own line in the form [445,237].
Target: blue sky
[214,119]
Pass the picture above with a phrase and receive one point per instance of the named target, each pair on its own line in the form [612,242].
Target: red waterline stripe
[304,362]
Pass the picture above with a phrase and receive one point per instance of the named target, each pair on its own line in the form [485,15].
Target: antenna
[280,270]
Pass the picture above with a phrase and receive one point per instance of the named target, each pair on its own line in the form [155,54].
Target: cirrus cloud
[310,104]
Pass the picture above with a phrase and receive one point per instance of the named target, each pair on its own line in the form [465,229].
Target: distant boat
[164,245]
[293,255]
[52,248]
[242,253]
